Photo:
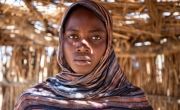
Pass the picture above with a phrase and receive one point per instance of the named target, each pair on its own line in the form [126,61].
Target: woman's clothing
[48,96]
[105,88]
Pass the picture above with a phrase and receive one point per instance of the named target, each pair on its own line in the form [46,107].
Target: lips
[82,60]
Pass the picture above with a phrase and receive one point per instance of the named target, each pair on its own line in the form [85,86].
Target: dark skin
[85,40]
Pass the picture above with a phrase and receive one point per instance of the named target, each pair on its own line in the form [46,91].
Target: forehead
[79,11]
[82,10]
[81,16]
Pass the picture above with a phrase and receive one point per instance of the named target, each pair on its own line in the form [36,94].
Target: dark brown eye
[97,37]
[72,36]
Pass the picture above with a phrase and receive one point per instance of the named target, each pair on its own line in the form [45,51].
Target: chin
[82,69]
[82,72]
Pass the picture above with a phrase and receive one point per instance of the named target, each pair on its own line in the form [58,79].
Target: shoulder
[34,95]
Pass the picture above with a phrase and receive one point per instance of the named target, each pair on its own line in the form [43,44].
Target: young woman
[91,78]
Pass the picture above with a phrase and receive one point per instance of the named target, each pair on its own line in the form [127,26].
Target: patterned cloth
[105,88]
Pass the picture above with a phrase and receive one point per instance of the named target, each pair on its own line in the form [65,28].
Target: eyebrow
[97,30]
[73,30]
[93,30]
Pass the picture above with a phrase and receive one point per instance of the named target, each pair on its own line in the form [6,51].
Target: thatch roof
[139,27]
[146,39]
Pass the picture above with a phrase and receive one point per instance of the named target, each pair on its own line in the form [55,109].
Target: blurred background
[146,39]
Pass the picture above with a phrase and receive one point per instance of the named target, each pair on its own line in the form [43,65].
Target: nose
[82,46]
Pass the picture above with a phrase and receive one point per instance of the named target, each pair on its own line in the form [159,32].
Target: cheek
[99,50]
[67,49]
[68,46]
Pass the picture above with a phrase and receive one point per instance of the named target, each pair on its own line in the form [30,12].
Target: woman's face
[85,41]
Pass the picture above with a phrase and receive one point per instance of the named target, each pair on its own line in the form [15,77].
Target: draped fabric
[105,88]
